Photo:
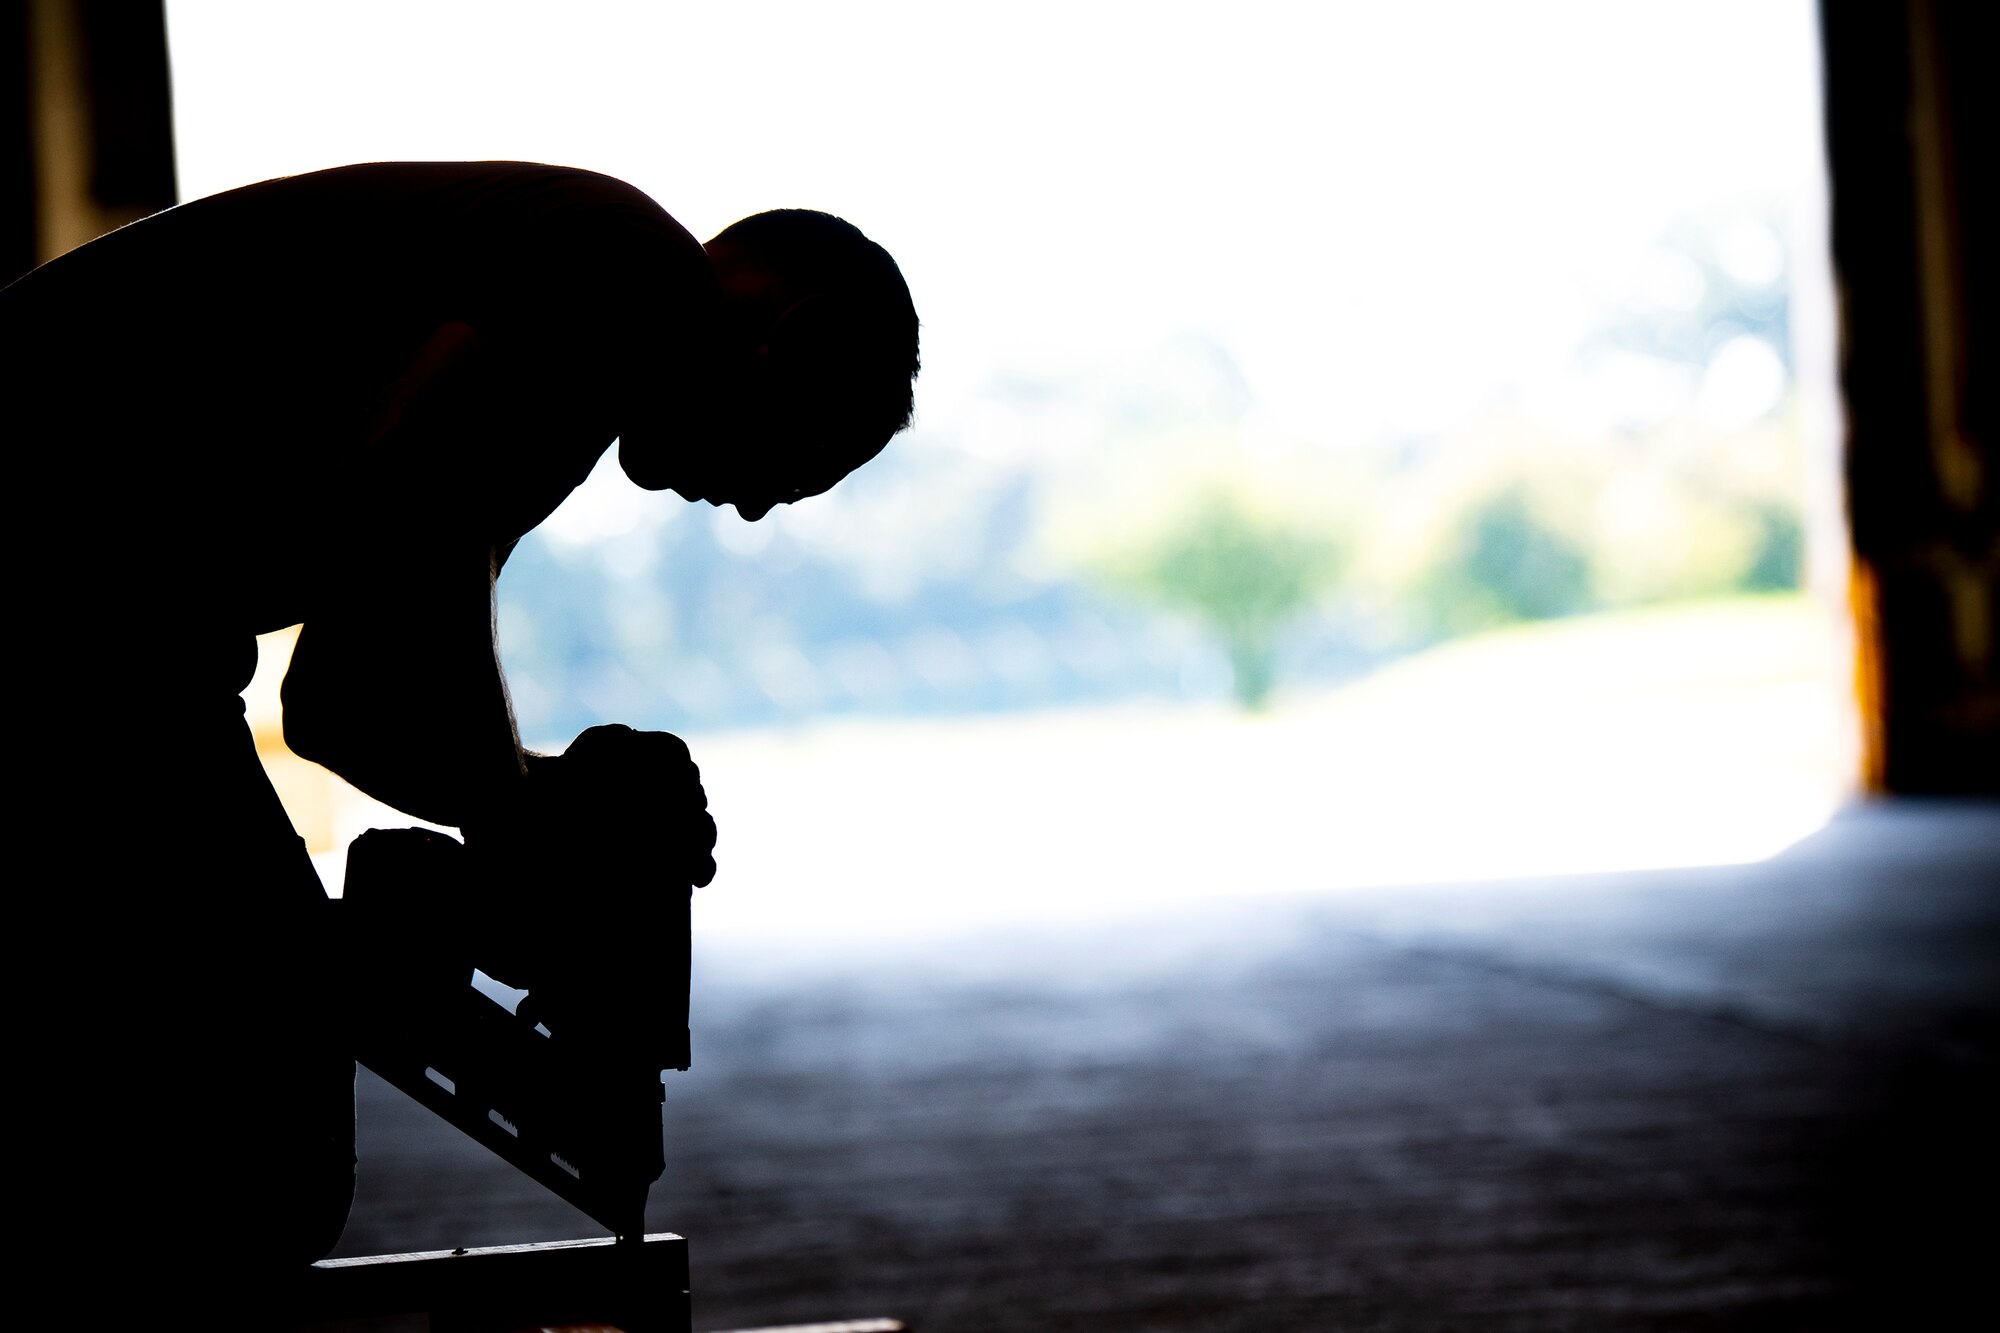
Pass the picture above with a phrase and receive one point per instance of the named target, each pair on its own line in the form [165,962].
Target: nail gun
[563,1082]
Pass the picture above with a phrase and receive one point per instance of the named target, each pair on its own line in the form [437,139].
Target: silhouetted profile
[338,400]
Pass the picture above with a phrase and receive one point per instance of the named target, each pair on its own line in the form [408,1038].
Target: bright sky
[1382,209]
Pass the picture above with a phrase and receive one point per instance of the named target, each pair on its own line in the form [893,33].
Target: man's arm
[397,688]
[395,683]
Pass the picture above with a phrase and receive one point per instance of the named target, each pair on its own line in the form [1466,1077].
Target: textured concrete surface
[1748,1097]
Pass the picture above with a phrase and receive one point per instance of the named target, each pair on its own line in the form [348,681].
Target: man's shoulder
[456,191]
[494,230]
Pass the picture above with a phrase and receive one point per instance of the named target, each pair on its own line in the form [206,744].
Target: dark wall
[17,164]
[88,123]
[132,129]
[1909,144]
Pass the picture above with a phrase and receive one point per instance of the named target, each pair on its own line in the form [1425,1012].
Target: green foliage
[1550,531]
[1778,564]
[1243,575]
[1505,561]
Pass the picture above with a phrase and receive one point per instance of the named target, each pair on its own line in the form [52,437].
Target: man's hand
[633,798]
[586,875]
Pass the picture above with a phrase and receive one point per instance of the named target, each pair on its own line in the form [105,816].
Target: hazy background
[1356,443]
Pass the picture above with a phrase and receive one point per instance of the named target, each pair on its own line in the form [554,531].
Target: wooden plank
[638,1286]
[837,1326]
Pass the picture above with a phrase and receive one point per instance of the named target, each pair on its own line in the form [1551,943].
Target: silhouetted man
[338,400]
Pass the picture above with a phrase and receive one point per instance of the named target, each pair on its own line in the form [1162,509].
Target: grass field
[1703,734]
[1700,734]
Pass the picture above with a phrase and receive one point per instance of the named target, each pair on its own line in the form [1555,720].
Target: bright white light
[1744,380]
[1671,281]
[1379,208]
[1384,212]
[1751,253]
[1696,739]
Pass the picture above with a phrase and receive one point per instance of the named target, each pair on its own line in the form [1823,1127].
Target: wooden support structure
[1907,144]
[639,1286]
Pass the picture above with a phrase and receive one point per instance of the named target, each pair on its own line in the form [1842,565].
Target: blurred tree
[1778,563]
[1243,575]
[1504,561]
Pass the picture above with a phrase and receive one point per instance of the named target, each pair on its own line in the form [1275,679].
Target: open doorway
[1355,446]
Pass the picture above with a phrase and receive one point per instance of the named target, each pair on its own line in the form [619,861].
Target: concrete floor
[1748,1097]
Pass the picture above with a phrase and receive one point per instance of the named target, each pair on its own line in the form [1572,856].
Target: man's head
[821,353]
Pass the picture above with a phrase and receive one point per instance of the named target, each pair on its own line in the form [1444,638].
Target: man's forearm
[442,766]
[402,696]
